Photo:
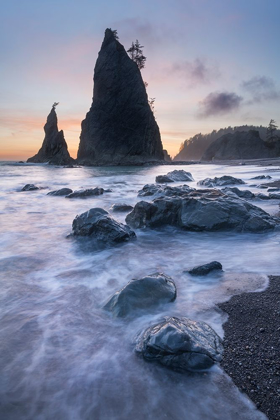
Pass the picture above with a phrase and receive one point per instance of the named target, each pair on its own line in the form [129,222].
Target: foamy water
[61,355]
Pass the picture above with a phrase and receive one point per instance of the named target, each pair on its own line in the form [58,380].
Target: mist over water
[61,355]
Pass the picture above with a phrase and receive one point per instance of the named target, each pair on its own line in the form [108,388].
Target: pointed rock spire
[120,127]
[54,148]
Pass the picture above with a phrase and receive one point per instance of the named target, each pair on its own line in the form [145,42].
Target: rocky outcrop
[246,194]
[30,187]
[203,270]
[180,344]
[89,192]
[175,176]
[202,210]
[121,207]
[241,145]
[142,294]
[220,182]
[54,149]
[120,127]
[99,225]
[163,190]
[62,192]
[166,156]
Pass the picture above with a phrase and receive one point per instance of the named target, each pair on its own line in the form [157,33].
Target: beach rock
[240,145]
[202,210]
[30,187]
[121,207]
[98,224]
[164,191]
[163,179]
[120,127]
[262,177]
[203,270]
[274,196]
[61,192]
[180,344]
[246,194]
[142,294]
[86,193]
[175,176]
[262,196]
[220,182]
[54,149]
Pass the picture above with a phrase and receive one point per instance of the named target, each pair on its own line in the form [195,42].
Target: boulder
[240,145]
[175,176]
[142,294]
[120,127]
[30,187]
[164,191]
[203,270]
[202,210]
[220,182]
[121,207]
[86,193]
[262,177]
[180,344]
[98,224]
[162,179]
[61,192]
[246,194]
[54,149]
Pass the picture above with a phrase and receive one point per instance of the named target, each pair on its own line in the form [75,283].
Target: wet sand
[252,346]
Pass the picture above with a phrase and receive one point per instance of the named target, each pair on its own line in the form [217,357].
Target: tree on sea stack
[120,127]
[135,52]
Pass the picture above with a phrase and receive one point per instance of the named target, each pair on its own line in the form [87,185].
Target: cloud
[196,72]
[261,88]
[219,103]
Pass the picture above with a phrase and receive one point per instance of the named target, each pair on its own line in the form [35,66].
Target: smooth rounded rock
[62,192]
[203,270]
[121,207]
[30,187]
[220,181]
[86,193]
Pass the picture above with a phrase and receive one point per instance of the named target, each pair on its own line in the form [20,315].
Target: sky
[210,64]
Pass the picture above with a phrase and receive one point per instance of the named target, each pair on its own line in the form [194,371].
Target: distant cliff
[54,149]
[120,127]
[241,145]
[194,147]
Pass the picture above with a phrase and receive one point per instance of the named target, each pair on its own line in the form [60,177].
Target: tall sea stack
[120,128]
[54,149]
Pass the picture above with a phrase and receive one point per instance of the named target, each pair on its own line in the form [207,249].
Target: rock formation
[120,127]
[167,156]
[54,148]
[241,145]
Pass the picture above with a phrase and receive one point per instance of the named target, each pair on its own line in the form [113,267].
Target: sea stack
[120,128]
[54,149]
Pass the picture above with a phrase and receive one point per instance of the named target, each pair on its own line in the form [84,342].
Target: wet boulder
[62,192]
[262,177]
[220,182]
[180,344]
[30,187]
[162,179]
[203,270]
[98,224]
[142,294]
[164,190]
[246,194]
[121,207]
[201,210]
[86,193]
[175,176]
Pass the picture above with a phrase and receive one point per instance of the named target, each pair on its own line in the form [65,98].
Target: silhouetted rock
[30,187]
[142,294]
[98,224]
[201,210]
[86,193]
[203,270]
[220,182]
[61,192]
[241,145]
[180,344]
[121,207]
[54,148]
[120,127]
[167,157]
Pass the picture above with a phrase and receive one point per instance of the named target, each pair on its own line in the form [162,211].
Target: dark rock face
[62,192]
[120,127]
[246,194]
[142,294]
[175,176]
[220,182]
[201,210]
[163,191]
[54,148]
[180,344]
[30,187]
[121,207]
[86,193]
[203,270]
[262,177]
[241,145]
[98,224]
[166,156]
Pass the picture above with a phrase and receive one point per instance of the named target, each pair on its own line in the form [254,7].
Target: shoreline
[252,346]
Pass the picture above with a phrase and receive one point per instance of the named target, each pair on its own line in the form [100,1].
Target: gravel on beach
[252,346]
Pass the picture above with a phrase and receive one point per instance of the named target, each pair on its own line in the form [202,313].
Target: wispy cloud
[261,88]
[217,103]
[197,71]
